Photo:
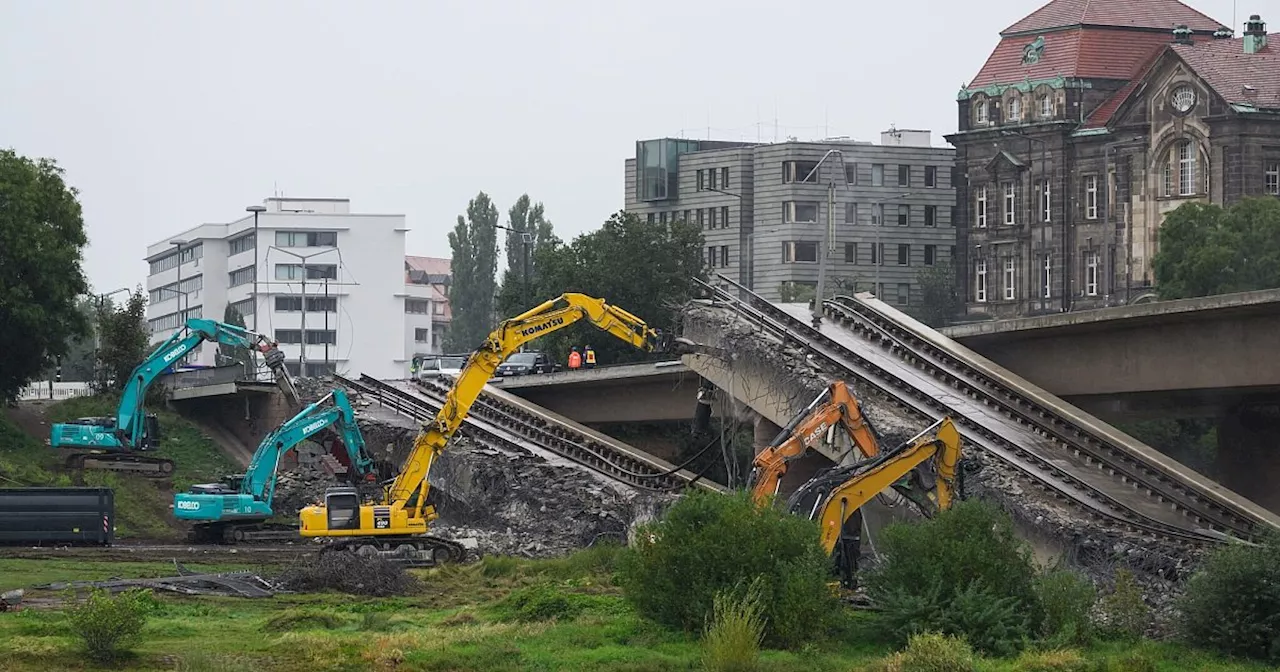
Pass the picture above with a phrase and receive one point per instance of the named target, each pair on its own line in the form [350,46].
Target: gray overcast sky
[169,114]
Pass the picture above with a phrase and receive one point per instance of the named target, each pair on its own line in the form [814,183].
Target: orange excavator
[835,406]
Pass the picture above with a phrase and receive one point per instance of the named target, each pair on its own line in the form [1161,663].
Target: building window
[315,304]
[316,272]
[980,200]
[1010,276]
[189,287]
[724,255]
[797,171]
[904,176]
[851,253]
[877,174]
[877,254]
[930,176]
[711,177]
[1046,276]
[175,320]
[850,213]
[930,254]
[1010,204]
[649,218]
[422,335]
[799,252]
[1044,195]
[724,178]
[702,186]
[241,244]
[416,306]
[904,254]
[1271,181]
[1046,106]
[711,256]
[980,281]
[245,308]
[851,173]
[171,260]
[662,218]
[1090,196]
[1013,109]
[877,214]
[1186,168]
[702,218]
[1091,273]
[930,215]
[904,294]
[306,238]
[980,111]
[724,216]
[289,336]
[904,215]
[711,219]
[796,212]
[322,337]
[242,276]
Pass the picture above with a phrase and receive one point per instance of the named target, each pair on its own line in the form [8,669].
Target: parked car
[432,366]
[525,363]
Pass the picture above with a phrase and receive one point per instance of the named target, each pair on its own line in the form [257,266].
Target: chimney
[1182,34]
[1255,35]
[1223,33]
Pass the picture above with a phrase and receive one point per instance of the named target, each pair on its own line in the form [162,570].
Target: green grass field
[459,621]
[142,504]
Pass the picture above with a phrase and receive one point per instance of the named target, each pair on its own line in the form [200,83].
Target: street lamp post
[828,235]
[97,335]
[302,357]
[526,240]
[253,354]
[179,244]
[877,221]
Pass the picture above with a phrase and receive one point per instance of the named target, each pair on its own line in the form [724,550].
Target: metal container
[39,516]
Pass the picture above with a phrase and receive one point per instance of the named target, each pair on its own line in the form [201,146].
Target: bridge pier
[1249,450]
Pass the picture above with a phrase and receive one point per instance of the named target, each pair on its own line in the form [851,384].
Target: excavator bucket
[275,361]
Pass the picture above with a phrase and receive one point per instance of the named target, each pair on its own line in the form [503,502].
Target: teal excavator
[238,510]
[113,443]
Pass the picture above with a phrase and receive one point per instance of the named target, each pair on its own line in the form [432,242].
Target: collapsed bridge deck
[1053,446]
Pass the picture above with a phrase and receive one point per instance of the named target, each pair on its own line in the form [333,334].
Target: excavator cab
[343,507]
[150,432]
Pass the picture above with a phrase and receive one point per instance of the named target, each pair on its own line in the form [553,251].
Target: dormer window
[980,110]
[1013,108]
[1046,106]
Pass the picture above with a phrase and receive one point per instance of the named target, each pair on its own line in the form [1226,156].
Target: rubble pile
[349,573]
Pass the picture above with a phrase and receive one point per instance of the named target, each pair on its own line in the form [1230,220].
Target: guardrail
[54,391]
[219,375]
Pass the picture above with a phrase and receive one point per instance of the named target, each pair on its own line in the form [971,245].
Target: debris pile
[350,573]
[187,582]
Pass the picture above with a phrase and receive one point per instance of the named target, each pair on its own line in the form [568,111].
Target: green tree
[474,242]
[1207,250]
[230,353]
[940,301]
[78,362]
[642,268]
[528,228]
[42,241]
[124,338]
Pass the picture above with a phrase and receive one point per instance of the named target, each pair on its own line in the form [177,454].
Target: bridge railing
[54,391]
[218,375]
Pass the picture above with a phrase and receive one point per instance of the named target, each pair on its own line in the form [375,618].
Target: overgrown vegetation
[1066,597]
[1232,604]
[963,573]
[708,543]
[932,652]
[1123,612]
[735,630]
[107,625]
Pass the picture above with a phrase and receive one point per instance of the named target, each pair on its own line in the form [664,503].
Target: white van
[432,366]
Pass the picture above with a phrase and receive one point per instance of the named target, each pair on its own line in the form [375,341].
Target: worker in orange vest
[575,359]
[591,358]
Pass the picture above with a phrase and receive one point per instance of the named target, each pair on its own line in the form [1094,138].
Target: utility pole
[827,235]
[326,323]
[302,358]
[253,354]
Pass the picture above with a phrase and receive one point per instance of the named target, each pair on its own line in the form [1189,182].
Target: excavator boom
[836,405]
[396,528]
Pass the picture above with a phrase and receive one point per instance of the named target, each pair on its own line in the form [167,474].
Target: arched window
[980,108]
[1187,167]
[1013,108]
[1185,170]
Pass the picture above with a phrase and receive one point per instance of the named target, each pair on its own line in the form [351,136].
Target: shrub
[542,602]
[305,619]
[1058,660]
[735,630]
[1066,599]
[932,652]
[107,626]
[1232,602]
[707,543]
[1124,614]
[964,573]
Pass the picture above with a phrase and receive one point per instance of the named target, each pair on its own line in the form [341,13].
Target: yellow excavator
[835,497]
[396,528]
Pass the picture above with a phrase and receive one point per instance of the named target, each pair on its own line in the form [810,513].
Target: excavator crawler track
[412,551]
[236,533]
[129,463]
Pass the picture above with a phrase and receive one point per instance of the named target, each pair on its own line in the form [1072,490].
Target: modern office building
[1086,125]
[332,286]
[764,209]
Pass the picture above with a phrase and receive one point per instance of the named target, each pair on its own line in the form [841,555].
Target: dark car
[525,363]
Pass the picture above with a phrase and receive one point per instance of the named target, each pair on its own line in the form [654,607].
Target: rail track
[1052,453]
[511,426]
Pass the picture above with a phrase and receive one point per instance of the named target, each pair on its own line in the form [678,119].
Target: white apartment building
[354,309]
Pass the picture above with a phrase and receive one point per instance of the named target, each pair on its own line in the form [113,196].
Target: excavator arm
[411,485]
[835,499]
[836,405]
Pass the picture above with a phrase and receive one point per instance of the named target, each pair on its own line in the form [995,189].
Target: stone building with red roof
[1087,124]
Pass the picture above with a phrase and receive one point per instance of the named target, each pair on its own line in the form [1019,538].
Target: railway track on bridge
[509,425]
[1049,451]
